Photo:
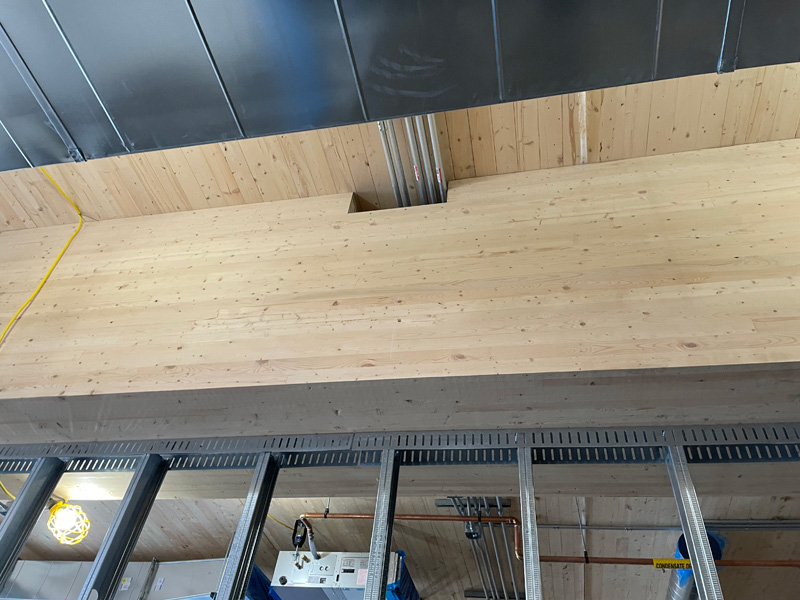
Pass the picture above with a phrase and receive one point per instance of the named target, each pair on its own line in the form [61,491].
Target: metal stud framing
[381,545]
[694,529]
[239,564]
[530,537]
[25,510]
[115,551]
[676,447]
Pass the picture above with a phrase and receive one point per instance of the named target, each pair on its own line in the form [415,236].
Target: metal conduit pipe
[513,521]
[437,159]
[595,560]
[397,160]
[412,146]
[390,163]
[426,157]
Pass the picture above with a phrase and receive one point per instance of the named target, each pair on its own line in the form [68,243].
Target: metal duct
[681,581]
[130,76]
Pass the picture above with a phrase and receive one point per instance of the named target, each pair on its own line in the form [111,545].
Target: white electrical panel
[334,576]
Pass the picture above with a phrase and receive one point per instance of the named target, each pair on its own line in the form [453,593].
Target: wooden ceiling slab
[679,261]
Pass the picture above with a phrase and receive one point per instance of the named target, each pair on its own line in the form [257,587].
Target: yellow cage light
[68,523]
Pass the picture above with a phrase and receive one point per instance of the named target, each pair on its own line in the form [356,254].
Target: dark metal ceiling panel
[770,33]
[690,37]
[150,67]
[37,39]
[556,46]
[25,121]
[285,64]
[420,57]
[10,157]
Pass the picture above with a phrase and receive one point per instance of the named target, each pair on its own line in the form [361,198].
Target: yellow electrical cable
[55,262]
[7,493]
[279,522]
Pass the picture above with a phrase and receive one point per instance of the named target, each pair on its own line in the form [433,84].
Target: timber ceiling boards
[170,73]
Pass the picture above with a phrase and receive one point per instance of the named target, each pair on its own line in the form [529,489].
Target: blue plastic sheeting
[717,543]
[403,588]
[259,586]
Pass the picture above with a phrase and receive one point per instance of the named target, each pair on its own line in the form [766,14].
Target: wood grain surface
[680,260]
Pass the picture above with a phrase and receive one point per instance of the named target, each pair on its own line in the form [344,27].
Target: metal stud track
[642,445]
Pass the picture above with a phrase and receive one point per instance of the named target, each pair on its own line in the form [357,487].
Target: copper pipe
[596,560]
[513,521]
[648,562]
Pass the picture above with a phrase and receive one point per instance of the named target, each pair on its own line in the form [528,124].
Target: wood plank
[787,111]
[527,123]
[336,159]
[571,128]
[743,89]
[504,134]
[662,128]
[551,150]
[458,129]
[355,155]
[376,158]
[770,84]
[688,109]
[482,138]
[444,145]
[236,159]
[712,110]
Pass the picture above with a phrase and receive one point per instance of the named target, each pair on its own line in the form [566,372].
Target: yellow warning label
[672,563]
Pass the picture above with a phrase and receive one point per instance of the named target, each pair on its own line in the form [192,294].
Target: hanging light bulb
[68,523]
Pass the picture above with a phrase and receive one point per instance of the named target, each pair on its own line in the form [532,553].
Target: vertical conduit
[412,145]
[390,163]
[398,163]
[437,159]
[426,157]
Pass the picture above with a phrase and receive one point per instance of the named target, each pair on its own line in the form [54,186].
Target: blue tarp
[403,588]
[259,586]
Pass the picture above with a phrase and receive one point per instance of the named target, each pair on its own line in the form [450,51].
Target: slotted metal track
[703,444]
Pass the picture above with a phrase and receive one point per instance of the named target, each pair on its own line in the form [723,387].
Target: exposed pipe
[513,521]
[681,581]
[397,160]
[437,159]
[390,163]
[426,156]
[484,550]
[648,562]
[496,551]
[473,543]
[597,560]
[508,552]
[731,525]
[412,146]
[312,546]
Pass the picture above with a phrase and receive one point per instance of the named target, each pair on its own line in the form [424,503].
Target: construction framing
[675,447]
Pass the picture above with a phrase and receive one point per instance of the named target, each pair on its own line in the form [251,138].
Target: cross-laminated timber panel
[670,277]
